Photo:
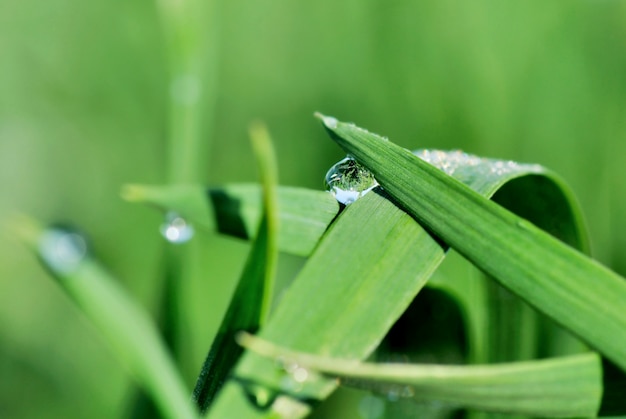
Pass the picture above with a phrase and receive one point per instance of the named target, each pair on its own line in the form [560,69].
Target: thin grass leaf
[236,210]
[125,325]
[251,301]
[557,387]
[576,291]
[364,273]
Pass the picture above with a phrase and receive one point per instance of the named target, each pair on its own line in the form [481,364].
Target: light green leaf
[249,307]
[236,210]
[559,387]
[125,325]
[576,291]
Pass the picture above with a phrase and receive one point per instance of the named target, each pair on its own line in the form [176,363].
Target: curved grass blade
[576,291]
[491,311]
[236,210]
[126,326]
[249,307]
[366,270]
[559,387]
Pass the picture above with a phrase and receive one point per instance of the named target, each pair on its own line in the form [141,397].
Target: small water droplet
[296,375]
[62,249]
[348,180]
[448,161]
[300,374]
[176,229]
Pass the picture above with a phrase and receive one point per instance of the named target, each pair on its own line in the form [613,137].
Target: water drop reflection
[62,250]
[176,229]
[348,180]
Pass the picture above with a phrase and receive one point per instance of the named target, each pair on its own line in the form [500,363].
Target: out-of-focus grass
[82,111]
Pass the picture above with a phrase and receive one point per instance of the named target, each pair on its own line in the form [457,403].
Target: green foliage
[250,304]
[100,94]
[562,387]
[528,261]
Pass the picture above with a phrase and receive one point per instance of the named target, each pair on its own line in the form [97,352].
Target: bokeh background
[84,100]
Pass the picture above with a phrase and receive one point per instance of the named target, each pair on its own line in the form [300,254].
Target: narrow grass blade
[576,291]
[558,387]
[366,270]
[251,301]
[236,210]
[125,325]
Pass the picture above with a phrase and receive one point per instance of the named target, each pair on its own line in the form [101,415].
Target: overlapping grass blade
[576,291]
[366,270]
[251,301]
[350,291]
[125,325]
[559,387]
[236,210]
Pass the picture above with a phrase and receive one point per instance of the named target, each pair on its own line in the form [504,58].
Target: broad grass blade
[576,291]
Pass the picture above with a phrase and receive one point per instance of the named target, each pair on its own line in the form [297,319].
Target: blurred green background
[83,110]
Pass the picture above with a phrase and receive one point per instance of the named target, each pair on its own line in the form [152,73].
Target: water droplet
[300,374]
[448,161]
[348,180]
[296,375]
[371,407]
[62,249]
[176,229]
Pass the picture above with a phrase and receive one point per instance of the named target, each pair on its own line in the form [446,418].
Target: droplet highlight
[348,180]
[448,161]
[176,229]
[62,250]
[295,377]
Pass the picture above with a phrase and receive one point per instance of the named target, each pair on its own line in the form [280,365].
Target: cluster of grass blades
[544,330]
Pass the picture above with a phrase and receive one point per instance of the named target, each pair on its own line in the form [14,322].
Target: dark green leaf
[576,291]
[251,301]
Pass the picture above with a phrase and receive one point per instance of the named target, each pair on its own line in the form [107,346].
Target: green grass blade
[362,276]
[576,291]
[125,325]
[266,157]
[251,301]
[558,387]
[236,210]
[341,303]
